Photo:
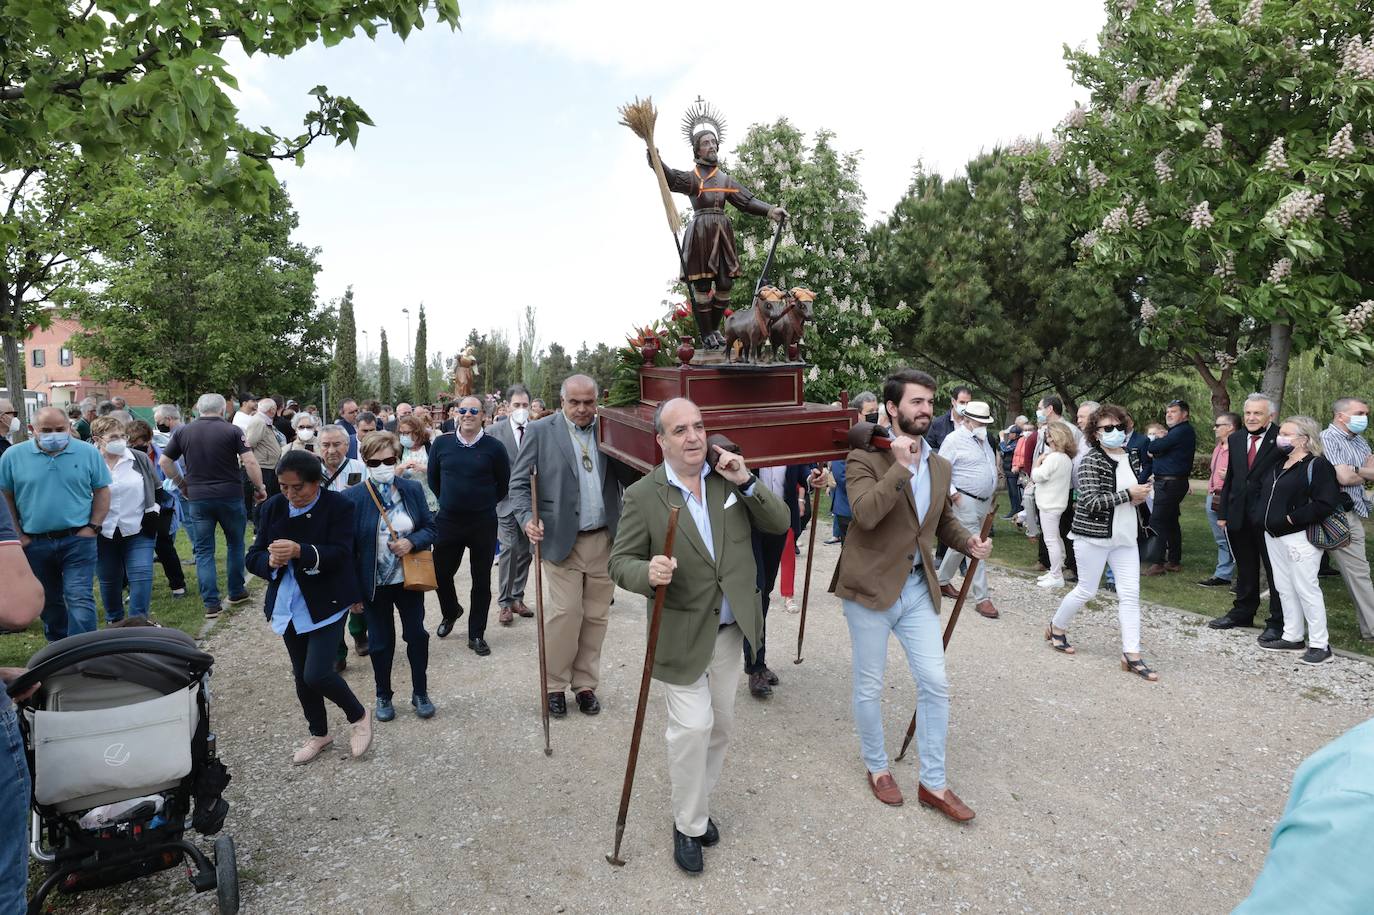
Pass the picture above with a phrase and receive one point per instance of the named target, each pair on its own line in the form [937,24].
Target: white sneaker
[1051,581]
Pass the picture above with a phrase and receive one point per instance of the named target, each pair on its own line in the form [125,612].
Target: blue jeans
[1226,563]
[917,627]
[14,814]
[120,559]
[66,569]
[229,515]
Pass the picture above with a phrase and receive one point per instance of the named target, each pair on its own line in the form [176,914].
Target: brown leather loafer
[521,610]
[885,789]
[985,608]
[505,618]
[1172,567]
[949,805]
[949,591]
[1156,569]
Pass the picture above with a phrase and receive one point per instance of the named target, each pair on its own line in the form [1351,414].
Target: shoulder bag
[1331,532]
[417,565]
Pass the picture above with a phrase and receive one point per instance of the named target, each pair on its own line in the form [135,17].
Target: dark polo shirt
[209,448]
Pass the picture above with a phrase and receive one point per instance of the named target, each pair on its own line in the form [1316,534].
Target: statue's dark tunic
[709,248]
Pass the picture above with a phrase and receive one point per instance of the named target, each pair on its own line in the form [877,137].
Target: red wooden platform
[759,407]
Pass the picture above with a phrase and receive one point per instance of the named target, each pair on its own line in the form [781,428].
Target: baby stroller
[123,761]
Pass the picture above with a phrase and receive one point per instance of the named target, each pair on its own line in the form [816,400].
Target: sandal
[1058,642]
[1139,668]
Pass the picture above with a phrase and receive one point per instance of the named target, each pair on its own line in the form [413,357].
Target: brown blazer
[879,549]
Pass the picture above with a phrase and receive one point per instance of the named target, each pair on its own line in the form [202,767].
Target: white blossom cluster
[814,374]
[1226,267]
[1344,218]
[1299,206]
[1166,7]
[1076,118]
[1223,360]
[1213,138]
[1026,192]
[1342,145]
[1281,270]
[1164,172]
[1022,147]
[1359,316]
[1275,159]
[1148,311]
[1056,148]
[1357,58]
[1202,14]
[1132,90]
[903,306]
[1251,17]
[1166,93]
[1200,217]
[1088,240]
[1096,177]
[865,310]
[1126,8]
[1116,220]
[1141,217]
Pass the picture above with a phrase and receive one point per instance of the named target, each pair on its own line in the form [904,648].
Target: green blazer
[691,608]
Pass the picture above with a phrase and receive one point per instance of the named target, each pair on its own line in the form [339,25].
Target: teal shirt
[1319,856]
[53,491]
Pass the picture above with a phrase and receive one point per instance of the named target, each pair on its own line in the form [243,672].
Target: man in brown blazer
[886,579]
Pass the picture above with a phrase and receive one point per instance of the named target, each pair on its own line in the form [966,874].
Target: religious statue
[464,373]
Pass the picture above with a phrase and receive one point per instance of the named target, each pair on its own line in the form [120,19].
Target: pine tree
[344,379]
[384,371]
[419,368]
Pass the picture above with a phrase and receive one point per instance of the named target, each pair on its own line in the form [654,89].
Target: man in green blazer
[712,602]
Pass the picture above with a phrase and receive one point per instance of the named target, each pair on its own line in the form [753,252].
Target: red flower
[729,312]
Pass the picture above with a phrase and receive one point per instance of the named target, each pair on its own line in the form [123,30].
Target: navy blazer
[366,519]
[326,571]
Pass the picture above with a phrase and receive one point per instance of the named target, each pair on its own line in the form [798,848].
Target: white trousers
[1125,563]
[1054,543]
[1295,562]
[701,717]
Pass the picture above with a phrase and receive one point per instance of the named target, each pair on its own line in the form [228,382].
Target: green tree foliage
[554,367]
[202,297]
[419,370]
[598,363]
[343,381]
[1222,167]
[823,248]
[384,371]
[984,291]
[495,360]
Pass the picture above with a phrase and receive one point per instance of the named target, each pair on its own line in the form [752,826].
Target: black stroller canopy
[162,659]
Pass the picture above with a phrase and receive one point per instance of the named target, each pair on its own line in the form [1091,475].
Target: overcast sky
[497,175]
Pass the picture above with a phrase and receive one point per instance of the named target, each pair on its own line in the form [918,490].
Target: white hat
[977,411]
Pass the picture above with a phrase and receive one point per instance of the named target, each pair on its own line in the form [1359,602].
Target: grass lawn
[186,613]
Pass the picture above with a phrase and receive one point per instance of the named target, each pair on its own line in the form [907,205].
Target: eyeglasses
[1114,427]
[464,411]
[378,462]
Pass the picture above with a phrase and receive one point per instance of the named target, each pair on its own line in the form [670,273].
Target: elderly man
[1348,450]
[340,473]
[1252,452]
[210,449]
[88,413]
[515,546]
[261,435]
[973,484]
[579,496]
[711,604]
[403,410]
[58,492]
[1173,465]
[9,423]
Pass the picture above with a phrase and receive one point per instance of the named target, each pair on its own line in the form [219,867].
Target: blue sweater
[468,479]
[1173,454]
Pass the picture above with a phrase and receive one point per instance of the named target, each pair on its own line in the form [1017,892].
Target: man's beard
[916,425]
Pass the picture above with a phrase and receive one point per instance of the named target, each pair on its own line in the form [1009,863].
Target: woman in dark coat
[378,565]
[305,549]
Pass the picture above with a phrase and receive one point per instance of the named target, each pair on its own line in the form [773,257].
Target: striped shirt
[1348,448]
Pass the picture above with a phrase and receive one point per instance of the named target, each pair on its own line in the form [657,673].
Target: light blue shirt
[920,491]
[591,509]
[289,607]
[973,463]
[701,516]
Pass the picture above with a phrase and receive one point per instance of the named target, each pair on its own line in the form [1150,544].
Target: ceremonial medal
[587,461]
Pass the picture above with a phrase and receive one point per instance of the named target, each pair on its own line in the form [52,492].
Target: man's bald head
[50,419]
[681,435]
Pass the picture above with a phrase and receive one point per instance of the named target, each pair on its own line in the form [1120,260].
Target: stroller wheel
[226,876]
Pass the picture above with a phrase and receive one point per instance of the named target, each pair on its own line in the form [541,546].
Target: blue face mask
[1358,424]
[1114,439]
[1040,416]
[54,441]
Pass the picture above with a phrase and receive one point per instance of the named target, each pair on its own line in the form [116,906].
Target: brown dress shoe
[1172,567]
[949,591]
[985,608]
[949,805]
[521,610]
[885,789]
[505,618]
[1156,569]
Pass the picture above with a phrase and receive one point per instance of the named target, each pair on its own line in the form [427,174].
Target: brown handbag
[418,565]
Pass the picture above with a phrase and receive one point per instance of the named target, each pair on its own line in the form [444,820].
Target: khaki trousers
[701,717]
[1354,566]
[576,613]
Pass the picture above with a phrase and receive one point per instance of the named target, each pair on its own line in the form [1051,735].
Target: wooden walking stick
[654,619]
[806,583]
[954,615]
[539,613]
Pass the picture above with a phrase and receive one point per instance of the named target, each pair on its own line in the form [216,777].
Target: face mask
[305,434]
[1357,424]
[16,425]
[164,428]
[116,446]
[54,441]
[1040,416]
[1114,439]
[1151,436]
[382,474]
[871,417]
[521,415]
[407,441]
[1284,442]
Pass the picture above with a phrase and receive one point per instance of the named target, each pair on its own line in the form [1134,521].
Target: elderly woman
[414,434]
[1299,492]
[1105,527]
[307,429]
[124,550]
[1052,474]
[382,542]
[305,549]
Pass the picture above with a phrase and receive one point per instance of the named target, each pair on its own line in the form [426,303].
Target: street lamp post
[410,350]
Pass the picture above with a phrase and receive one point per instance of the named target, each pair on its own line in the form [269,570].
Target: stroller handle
[194,657]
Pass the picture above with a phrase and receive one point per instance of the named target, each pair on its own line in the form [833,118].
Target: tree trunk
[1276,370]
[14,363]
[1016,392]
[1221,396]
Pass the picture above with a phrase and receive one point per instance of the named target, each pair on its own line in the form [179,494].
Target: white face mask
[116,446]
[520,415]
[305,433]
[382,474]
[15,425]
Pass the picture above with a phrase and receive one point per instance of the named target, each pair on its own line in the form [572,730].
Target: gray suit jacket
[549,447]
[503,433]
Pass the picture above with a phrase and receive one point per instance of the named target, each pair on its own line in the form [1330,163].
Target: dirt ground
[1095,791]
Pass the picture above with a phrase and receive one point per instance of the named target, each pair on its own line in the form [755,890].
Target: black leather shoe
[445,627]
[1215,582]
[771,677]
[1224,622]
[687,852]
[480,646]
[711,836]
[558,705]
[587,703]
[1271,635]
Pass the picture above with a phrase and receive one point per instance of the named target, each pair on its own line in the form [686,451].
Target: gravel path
[1095,792]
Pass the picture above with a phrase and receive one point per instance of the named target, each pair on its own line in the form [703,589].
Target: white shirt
[126,499]
[774,478]
[241,419]
[351,467]
[516,434]
[701,516]
[464,442]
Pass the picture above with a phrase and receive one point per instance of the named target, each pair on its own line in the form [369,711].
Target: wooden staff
[539,611]
[655,618]
[954,616]
[806,585]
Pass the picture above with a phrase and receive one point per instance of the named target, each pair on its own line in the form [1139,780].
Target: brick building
[52,369]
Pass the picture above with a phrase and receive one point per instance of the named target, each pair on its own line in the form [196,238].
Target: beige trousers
[1354,567]
[576,613]
[701,717]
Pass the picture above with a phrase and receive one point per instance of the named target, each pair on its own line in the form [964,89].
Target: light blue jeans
[1226,563]
[14,813]
[916,624]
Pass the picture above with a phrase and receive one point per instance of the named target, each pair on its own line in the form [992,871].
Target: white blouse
[126,499]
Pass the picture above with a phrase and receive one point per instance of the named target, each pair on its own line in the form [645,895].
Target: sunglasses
[464,411]
[1114,427]
[378,462]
